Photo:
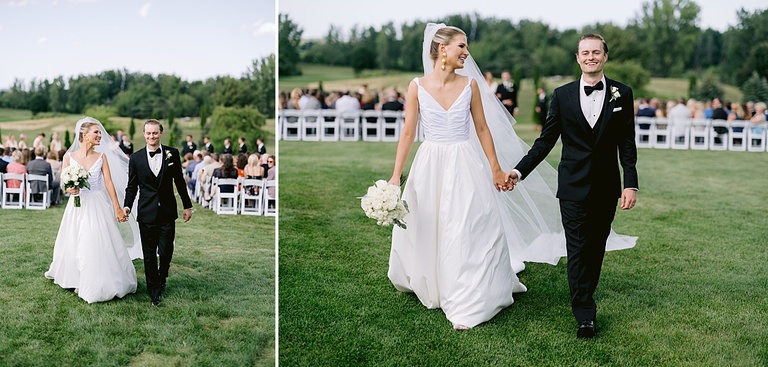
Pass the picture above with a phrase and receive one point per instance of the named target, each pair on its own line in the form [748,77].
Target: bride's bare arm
[110,186]
[409,132]
[484,135]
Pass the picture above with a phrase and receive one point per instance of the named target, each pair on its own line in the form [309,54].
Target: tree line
[663,40]
[142,95]
[237,107]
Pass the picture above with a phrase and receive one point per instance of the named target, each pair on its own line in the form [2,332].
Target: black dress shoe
[586,329]
[156,301]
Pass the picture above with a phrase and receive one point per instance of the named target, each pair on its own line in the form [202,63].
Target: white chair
[700,134]
[226,202]
[252,197]
[349,126]
[661,133]
[737,135]
[718,135]
[310,125]
[680,133]
[291,124]
[372,121]
[329,125]
[13,198]
[644,132]
[756,135]
[31,195]
[390,127]
[270,202]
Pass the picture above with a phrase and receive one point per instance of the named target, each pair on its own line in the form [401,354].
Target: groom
[594,118]
[154,170]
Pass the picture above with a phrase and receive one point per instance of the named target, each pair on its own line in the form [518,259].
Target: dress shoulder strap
[416,80]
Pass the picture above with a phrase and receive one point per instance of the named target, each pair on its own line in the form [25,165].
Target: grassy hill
[344,78]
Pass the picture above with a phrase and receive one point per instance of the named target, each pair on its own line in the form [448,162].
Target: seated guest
[39,166]
[240,162]
[271,174]
[15,167]
[3,163]
[392,103]
[53,160]
[679,116]
[227,170]
[253,169]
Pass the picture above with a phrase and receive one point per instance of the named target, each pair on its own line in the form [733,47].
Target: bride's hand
[394,181]
[500,181]
[73,191]
[120,215]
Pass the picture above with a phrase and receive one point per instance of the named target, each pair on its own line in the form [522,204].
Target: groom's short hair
[594,36]
[153,122]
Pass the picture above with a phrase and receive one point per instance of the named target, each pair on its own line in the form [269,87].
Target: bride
[465,241]
[91,253]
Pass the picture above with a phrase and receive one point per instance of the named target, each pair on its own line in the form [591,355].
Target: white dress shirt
[592,105]
[156,161]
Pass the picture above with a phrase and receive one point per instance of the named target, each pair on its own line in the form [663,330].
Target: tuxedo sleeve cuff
[632,188]
[519,176]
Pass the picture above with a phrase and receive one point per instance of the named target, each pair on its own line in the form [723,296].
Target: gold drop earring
[442,67]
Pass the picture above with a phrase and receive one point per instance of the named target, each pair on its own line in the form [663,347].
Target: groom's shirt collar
[592,105]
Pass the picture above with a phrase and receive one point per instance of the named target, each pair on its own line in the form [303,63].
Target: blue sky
[192,39]
[315,17]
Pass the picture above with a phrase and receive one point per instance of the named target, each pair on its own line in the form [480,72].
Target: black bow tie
[588,90]
[152,153]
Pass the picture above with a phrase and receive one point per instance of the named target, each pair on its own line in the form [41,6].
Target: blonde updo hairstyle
[84,129]
[443,36]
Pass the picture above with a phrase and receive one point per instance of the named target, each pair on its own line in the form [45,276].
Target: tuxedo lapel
[163,164]
[608,104]
[575,102]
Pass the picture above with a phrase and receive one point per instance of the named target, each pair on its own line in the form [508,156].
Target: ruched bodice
[95,180]
[445,126]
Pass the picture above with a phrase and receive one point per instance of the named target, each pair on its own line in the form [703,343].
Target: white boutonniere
[167,155]
[614,93]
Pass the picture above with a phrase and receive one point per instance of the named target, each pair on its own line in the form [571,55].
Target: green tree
[289,39]
[669,32]
[755,88]
[132,129]
[203,116]
[103,114]
[67,139]
[38,103]
[262,79]
[708,89]
[738,40]
[630,73]
[234,122]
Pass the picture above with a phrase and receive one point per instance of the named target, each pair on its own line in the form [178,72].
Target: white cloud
[18,3]
[42,40]
[55,2]
[76,43]
[144,11]
[260,28]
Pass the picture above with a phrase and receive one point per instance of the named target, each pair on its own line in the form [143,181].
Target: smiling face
[591,56]
[92,135]
[456,52]
[152,135]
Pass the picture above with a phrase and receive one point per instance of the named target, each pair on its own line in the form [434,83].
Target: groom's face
[152,135]
[591,56]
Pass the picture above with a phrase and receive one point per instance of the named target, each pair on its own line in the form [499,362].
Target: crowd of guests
[199,164]
[342,101]
[682,110]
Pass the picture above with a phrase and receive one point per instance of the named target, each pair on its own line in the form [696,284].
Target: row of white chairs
[332,125]
[700,134]
[248,196]
[23,197]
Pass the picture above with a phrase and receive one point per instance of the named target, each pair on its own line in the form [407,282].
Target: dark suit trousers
[587,225]
[157,239]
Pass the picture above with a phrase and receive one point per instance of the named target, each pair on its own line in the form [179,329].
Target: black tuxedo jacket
[209,147]
[243,149]
[188,148]
[261,149]
[157,203]
[227,150]
[503,93]
[589,162]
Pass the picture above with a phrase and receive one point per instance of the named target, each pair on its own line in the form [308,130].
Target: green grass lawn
[691,293]
[219,309]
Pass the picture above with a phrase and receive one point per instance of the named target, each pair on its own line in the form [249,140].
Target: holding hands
[121,215]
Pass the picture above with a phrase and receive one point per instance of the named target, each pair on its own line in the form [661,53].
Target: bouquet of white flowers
[75,177]
[382,202]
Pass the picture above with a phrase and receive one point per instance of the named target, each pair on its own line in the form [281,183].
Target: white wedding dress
[454,255]
[90,254]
